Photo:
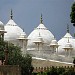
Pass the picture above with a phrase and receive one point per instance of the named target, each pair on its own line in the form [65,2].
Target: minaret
[54,45]
[23,42]
[39,42]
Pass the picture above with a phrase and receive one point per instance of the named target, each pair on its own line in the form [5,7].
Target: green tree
[72,15]
[60,70]
[15,57]
[53,71]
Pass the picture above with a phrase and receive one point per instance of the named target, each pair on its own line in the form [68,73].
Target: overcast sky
[56,14]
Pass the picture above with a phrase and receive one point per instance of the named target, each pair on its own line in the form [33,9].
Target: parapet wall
[48,63]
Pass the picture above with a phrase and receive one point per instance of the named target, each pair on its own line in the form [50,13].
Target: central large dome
[45,34]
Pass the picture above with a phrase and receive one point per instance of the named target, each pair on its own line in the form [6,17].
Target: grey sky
[56,14]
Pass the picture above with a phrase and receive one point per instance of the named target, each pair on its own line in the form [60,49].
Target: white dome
[13,31]
[68,35]
[46,35]
[2,30]
[54,43]
[23,36]
[68,46]
[38,40]
[64,42]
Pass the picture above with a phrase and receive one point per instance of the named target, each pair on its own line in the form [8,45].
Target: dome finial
[67,28]
[11,15]
[41,21]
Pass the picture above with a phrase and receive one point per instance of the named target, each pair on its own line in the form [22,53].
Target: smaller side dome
[54,42]
[65,42]
[54,45]
[38,39]
[68,49]
[68,46]
[2,30]
[23,36]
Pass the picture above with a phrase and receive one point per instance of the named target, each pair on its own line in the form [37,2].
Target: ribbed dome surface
[46,35]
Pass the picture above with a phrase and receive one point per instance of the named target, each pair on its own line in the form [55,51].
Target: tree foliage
[57,71]
[72,15]
[15,57]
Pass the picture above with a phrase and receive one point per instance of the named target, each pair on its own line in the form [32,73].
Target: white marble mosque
[40,43]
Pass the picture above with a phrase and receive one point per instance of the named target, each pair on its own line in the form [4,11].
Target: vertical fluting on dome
[41,20]
[11,14]
[67,28]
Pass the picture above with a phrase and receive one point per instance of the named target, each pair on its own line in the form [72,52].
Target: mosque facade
[40,42]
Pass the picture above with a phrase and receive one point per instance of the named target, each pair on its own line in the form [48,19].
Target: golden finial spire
[67,28]
[41,21]
[11,15]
